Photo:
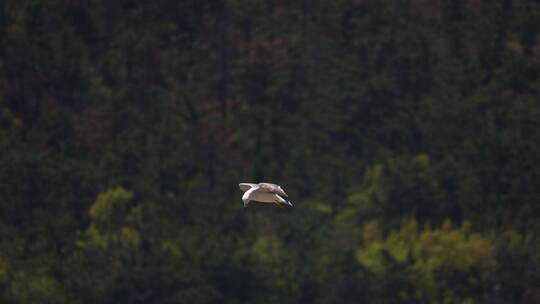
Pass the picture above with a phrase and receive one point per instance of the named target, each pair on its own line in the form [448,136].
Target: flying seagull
[264,193]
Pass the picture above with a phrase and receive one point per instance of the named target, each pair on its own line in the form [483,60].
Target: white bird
[264,193]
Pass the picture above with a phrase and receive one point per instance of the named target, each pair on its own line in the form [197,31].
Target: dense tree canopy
[406,132]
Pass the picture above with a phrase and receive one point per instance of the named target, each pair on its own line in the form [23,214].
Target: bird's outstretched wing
[273,188]
[246,186]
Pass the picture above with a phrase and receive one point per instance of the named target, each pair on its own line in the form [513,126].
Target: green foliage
[444,265]
[406,133]
[268,250]
[110,208]
[28,288]
[4,268]
[401,187]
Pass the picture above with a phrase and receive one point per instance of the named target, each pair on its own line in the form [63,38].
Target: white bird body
[264,193]
[255,194]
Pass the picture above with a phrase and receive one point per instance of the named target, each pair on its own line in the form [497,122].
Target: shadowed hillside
[406,133]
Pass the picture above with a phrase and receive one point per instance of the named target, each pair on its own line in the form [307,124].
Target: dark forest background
[406,133]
